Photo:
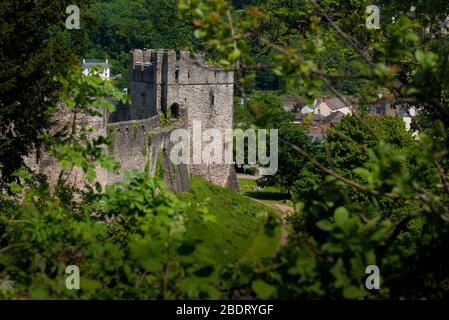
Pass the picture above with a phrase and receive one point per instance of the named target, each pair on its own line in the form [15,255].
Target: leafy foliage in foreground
[379,196]
[132,240]
[370,193]
[129,242]
[35,47]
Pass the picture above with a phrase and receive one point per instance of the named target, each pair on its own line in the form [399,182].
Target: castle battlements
[159,79]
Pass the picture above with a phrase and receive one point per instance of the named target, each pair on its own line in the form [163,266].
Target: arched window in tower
[211,98]
[177,74]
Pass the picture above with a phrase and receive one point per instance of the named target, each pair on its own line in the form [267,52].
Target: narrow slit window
[143,100]
[212,98]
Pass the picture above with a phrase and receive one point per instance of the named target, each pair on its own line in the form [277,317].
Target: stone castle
[173,84]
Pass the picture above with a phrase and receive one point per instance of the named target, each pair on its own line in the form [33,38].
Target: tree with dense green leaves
[35,47]
[372,194]
[128,238]
[116,27]
[267,112]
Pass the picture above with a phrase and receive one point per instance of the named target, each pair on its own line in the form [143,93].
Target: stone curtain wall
[145,145]
[159,79]
[42,163]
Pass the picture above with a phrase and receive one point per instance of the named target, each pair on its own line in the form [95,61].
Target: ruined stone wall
[142,145]
[145,145]
[161,79]
[158,80]
[42,163]
[142,83]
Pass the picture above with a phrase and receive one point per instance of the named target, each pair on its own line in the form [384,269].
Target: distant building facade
[88,65]
[327,105]
[383,106]
[326,111]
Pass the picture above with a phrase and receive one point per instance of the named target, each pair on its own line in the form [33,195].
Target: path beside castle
[285,210]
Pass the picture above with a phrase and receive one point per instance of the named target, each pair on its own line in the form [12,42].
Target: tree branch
[336,175]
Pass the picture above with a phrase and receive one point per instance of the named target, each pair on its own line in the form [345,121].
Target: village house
[327,105]
[326,111]
[88,65]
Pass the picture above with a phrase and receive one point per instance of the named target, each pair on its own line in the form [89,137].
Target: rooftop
[334,103]
[91,63]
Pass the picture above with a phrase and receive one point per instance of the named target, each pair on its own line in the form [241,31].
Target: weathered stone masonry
[193,90]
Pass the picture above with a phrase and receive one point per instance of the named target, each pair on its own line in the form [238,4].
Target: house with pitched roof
[327,105]
[384,106]
[88,65]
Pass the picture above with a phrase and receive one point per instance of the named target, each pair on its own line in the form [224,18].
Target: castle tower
[162,78]
[192,88]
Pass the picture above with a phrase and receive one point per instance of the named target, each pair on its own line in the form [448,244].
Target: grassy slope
[269,194]
[238,232]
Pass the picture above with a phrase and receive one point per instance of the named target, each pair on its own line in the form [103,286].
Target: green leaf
[188,247]
[352,292]
[152,265]
[263,289]
[427,59]
[209,217]
[204,272]
[235,55]
[15,187]
[341,215]
[224,63]
[199,12]
[379,234]
[325,225]
[183,6]
[198,33]
[332,247]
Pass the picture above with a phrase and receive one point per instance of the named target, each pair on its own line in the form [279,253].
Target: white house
[90,64]
[306,109]
[327,105]
[407,116]
[328,110]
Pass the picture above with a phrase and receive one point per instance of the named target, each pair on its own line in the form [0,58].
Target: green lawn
[269,194]
[238,232]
